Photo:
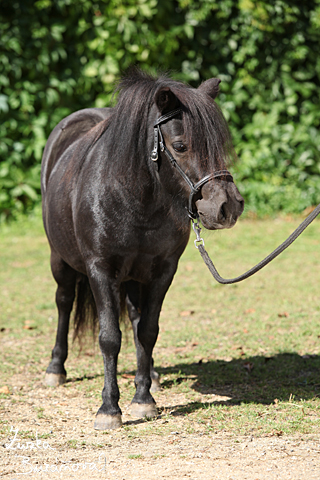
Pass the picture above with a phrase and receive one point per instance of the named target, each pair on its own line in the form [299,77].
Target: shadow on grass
[84,377]
[257,379]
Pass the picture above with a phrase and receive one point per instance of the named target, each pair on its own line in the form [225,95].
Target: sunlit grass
[242,358]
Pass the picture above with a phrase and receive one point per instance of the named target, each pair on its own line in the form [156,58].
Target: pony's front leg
[133,307]
[106,294]
[143,404]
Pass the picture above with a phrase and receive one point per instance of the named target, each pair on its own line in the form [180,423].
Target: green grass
[244,358]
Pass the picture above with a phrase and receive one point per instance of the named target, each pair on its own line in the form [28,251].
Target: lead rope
[199,243]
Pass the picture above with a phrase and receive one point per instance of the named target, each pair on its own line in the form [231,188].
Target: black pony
[119,186]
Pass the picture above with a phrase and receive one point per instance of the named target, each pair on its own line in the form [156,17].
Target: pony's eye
[179,147]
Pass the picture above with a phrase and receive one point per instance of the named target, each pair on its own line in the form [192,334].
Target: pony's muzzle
[220,205]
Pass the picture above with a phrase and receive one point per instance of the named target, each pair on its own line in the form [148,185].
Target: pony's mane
[203,122]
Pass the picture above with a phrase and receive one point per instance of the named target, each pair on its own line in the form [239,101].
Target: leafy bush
[58,56]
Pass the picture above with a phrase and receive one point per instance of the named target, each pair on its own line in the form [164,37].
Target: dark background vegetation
[57,56]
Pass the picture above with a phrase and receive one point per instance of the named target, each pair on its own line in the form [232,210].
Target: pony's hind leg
[65,277]
[133,307]
[155,378]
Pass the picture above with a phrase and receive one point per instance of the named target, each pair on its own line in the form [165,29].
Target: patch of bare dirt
[48,433]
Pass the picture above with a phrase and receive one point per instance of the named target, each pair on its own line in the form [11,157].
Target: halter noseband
[192,212]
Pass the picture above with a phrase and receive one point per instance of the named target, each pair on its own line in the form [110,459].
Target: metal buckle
[154,155]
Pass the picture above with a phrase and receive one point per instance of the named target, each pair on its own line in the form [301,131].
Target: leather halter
[194,187]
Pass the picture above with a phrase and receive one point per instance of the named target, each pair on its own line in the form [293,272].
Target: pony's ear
[166,100]
[210,87]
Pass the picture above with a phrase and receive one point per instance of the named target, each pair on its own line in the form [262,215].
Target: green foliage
[58,56]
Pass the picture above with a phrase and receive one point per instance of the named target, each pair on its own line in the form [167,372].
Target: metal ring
[199,240]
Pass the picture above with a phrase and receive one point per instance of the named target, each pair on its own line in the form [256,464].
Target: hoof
[155,385]
[140,410]
[54,379]
[107,422]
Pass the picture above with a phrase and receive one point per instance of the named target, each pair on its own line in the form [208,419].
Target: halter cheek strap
[194,187]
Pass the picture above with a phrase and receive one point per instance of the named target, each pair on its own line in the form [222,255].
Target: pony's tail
[86,316]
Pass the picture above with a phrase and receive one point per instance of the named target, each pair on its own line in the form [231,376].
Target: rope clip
[197,230]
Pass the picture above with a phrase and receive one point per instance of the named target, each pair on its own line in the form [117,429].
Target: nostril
[223,212]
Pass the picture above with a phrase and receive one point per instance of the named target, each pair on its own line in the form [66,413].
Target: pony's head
[196,137]
[197,143]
